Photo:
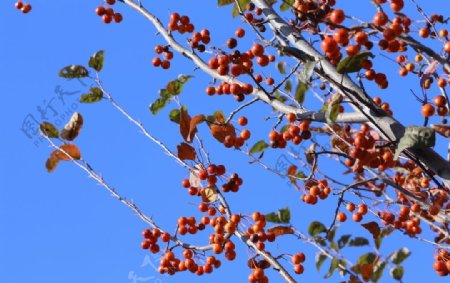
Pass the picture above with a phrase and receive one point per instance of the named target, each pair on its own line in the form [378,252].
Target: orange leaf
[209,194]
[366,271]
[281,230]
[443,130]
[186,152]
[185,124]
[73,127]
[193,126]
[220,132]
[51,163]
[70,149]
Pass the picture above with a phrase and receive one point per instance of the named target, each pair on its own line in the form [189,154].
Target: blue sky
[63,227]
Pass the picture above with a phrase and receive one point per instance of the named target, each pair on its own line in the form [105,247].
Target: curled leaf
[193,126]
[185,124]
[209,194]
[73,127]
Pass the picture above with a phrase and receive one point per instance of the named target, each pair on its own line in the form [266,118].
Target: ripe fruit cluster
[24,7]
[199,39]
[442,263]
[168,55]
[107,13]
[151,238]
[293,132]
[297,260]
[316,190]
[182,24]
[250,14]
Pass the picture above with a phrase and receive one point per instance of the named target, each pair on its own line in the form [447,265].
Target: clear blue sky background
[63,227]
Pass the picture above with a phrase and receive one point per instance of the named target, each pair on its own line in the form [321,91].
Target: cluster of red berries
[295,133]
[107,13]
[170,264]
[358,212]
[440,102]
[252,11]
[182,24]
[316,190]
[168,55]
[199,39]
[24,7]
[442,262]
[150,241]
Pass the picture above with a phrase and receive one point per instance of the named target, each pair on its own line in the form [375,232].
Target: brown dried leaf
[51,163]
[70,149]
[281,230]
[186,152]
[209,194]
[443,130]
[193,126]
[220,132]
[366,271]
[73,127]
[373,228]
[185,124]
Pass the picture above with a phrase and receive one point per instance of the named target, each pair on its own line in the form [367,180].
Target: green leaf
[281,68]
[397,272]
[300,92]
[367,258]
[378,270]
[73,71]
[159,104]
[353,64]
[288,86]
[400,255]
[316,228]
[343,240]
[286,5]
[332,110]
[320,259]
[383,233]
[96,61]
[176,86]
[49,130]
[224,2]
[174,116]
[334,264]
[331,234]
[259,146]
[307,71]
[358,242]
[281,216]
[281,98]
[417,138]
[95,95]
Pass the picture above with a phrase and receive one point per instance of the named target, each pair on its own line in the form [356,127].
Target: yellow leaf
[209,194]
